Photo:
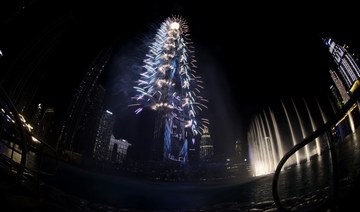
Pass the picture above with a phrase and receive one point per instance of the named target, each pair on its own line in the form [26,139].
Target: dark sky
[249,54]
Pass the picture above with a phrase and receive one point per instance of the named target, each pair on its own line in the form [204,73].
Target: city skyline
[179,105]
[243,71]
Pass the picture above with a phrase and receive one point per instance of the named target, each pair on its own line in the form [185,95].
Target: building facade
[118,149]
[206,146]
[79,129]
[103,136]
[347,68]
[339,86]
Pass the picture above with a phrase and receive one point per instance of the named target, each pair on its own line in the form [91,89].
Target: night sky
[249,56]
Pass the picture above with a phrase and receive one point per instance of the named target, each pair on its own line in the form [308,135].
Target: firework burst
[170,86]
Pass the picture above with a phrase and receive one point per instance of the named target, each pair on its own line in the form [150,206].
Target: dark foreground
[301,187]
[136,195]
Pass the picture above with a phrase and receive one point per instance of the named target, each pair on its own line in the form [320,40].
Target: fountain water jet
[292,132]
[270,134]
[317,140]
[275,159]
[302,130]
[277,135]
[321,111]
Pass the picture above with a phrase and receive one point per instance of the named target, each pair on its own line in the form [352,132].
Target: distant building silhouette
[103,136]
[206,146]
[79,130]
[86,130]
[194,150]
[238,149]
[118,149]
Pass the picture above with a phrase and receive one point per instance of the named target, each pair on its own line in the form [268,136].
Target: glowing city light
[169,85]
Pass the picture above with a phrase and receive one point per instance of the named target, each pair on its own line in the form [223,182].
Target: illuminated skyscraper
[103,136]
[349,73]
[169,85]
[206,146]
[340,86]
[348,70]
[336,97]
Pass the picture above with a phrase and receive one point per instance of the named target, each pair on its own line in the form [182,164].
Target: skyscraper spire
[170,86]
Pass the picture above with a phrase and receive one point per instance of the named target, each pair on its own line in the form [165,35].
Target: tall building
[347,68]
[336,97]
[170,87]
[206,146]
[103,136]
[340,86]
[78,132]
[86,130]
[194,150]
[346,79]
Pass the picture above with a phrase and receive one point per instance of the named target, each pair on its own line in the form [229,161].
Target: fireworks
[170,86]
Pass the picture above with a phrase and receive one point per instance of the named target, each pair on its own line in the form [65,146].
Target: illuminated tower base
[170,144]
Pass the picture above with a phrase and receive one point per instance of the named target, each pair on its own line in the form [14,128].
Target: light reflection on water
[305,178]
[316,175]
[124,192]
[121,192]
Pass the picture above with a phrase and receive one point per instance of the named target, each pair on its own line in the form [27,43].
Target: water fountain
[303,133]
[317,141]
[273,133]
[293,138]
